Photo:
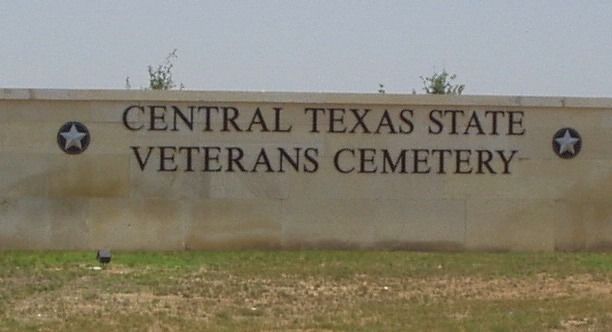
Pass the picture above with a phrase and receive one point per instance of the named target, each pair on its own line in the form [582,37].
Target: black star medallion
[73,137]
[567,143]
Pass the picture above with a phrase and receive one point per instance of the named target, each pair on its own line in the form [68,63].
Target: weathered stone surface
[347,188]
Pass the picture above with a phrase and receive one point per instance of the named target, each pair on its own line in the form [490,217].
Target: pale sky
[557,48]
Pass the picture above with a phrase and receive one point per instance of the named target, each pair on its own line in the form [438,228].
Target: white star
[567,142]
[73,138]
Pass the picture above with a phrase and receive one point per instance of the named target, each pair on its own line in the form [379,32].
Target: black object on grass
[104,256]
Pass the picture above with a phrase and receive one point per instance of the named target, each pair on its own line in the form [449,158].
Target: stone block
[108,197]
[234,224]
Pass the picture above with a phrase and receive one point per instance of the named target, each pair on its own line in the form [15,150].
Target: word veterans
[306,160]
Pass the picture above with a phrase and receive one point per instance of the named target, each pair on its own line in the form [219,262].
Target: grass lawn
[306,291]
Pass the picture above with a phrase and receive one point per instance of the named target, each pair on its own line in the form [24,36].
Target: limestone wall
[219,170]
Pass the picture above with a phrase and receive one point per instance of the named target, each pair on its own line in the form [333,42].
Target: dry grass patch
[306,291]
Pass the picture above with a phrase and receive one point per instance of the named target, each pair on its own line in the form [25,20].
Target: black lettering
[418,160]
[315,123]
[494,122]
[141,163]
[360,120]
[126,123]
[262,159]
[406,121]
[277,121]
[385,121]
[453,114]
[294,161]
[230,118]
[512,130]
[393,166]
[365,161]
[211,153]
[164,159]
[311,155]
[179,114]
[336,116]
[441,158]
[474,123]
[154,116]
[506,160]
[484,161]
[259,120]
[435,121]
[463,161]
[189,150]
[234,157]
[337,162]
[207,110]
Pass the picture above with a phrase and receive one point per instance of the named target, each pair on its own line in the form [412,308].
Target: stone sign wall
[135,170]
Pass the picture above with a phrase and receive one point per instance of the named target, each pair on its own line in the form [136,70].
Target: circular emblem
[73,137]
[567,143]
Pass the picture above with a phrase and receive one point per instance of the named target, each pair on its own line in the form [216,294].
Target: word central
[333,120]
